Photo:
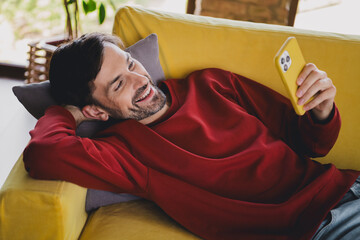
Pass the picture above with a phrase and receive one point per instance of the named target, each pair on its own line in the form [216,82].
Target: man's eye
[131,65]
[119,85]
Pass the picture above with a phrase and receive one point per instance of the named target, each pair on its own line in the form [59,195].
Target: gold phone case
[289,62]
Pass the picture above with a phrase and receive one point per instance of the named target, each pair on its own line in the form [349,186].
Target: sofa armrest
[35,209]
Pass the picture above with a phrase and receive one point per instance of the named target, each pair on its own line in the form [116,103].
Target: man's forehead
[113,48]
[113,56]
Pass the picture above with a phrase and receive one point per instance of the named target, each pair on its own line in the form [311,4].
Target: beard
[138,112]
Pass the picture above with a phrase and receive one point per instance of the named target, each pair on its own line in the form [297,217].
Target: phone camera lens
[282,60]
[287,58]
[285,67]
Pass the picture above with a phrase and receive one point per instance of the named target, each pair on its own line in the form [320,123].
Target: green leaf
[102,13]
[85,7]
[91,5]
[70,1]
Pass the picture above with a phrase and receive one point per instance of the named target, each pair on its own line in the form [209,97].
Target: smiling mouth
[147,94]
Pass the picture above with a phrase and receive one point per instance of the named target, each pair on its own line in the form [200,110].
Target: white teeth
[144,95]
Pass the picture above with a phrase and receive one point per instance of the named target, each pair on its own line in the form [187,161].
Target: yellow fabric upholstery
[42,210]
[32,209]
[139,219]
[189,43]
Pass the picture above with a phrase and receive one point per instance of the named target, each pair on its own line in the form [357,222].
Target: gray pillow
[36,98]
[98,198]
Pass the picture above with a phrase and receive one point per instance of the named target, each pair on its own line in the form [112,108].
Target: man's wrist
[322,117]
[76,113]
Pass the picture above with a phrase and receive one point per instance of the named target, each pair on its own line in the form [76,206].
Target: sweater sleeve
[56,153]
[301,133]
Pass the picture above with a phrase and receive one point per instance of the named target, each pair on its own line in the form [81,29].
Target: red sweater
[229,160]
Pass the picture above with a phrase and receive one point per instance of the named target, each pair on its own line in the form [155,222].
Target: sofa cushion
[36,98]
[139,219]
[38,209]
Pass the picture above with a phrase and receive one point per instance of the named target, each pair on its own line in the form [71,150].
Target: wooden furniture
[39,56]
[281,12]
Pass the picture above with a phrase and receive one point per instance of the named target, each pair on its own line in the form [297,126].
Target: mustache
[142,89]
[139,92]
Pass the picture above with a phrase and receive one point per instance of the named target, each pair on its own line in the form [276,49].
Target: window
[24,21]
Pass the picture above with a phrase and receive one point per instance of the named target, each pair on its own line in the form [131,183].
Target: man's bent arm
[55,152]
[304,134]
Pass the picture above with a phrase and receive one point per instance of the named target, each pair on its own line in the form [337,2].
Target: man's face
[124,89]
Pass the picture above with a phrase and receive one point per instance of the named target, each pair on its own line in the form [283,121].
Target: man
[224,156]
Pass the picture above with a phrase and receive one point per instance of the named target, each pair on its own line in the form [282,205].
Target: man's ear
[95,112]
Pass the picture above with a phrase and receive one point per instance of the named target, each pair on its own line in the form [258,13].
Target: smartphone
[289,62]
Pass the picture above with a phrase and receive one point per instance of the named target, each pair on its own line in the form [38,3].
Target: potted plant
[72,14]
[40,52]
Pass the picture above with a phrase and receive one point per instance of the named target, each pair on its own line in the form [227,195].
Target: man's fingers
[312,78]
[318,86]
[309,67]
[323,98]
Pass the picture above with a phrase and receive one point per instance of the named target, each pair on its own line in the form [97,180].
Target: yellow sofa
[33,209]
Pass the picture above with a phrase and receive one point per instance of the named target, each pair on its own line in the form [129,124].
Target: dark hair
[75,65]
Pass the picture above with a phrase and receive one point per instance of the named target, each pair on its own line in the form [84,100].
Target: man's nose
[138,80]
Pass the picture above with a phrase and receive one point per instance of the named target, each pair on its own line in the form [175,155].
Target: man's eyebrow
[117,77]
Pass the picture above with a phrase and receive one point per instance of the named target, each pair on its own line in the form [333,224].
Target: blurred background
[23,21]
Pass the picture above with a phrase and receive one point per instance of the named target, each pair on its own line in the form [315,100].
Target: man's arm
[56,153]
[312,134]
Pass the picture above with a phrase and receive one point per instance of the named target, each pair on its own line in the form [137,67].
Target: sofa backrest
[188,43]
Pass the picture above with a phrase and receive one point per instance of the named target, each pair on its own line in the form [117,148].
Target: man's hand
[77,114]
[315,83]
